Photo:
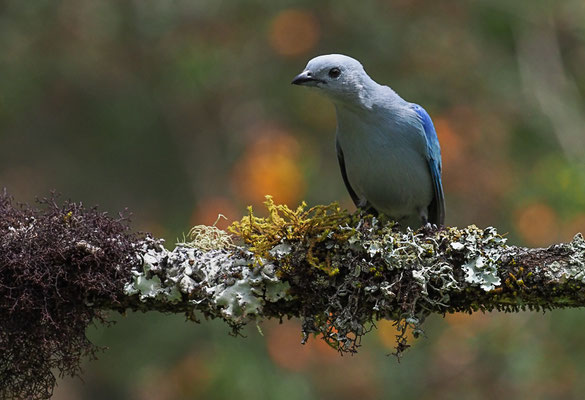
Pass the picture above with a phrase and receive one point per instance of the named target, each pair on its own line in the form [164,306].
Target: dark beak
[305,78]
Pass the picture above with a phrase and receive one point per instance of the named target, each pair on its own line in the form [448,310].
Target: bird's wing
[437,206]
[341,160]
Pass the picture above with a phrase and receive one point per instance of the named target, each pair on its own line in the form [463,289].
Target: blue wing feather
[437,206]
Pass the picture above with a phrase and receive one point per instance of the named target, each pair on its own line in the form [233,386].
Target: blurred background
[180,110]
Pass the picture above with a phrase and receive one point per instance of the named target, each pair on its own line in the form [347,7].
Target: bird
[388,150]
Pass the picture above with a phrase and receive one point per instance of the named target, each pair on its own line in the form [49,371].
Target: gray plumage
[388,150]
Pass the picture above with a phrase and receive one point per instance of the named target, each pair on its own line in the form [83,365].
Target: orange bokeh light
[188,378]
[537,224]
[387,333]
[270,165]
[283,343]
[451,145]
[467,325]
[453,352]
[284,348]
[208,209]
[574,226]
[294,32]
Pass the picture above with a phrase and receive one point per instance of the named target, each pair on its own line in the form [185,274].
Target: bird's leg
[426,225]
[424,216]
[366,208]
[362,204]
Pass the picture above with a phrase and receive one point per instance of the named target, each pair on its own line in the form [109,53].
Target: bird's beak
[305,78]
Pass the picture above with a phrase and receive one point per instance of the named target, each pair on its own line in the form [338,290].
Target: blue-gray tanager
[387,148]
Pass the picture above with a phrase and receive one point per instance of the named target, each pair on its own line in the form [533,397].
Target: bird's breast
[387,166]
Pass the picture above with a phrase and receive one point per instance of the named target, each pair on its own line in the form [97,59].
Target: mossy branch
[62,266]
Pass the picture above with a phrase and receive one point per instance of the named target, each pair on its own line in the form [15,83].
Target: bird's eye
[334,72]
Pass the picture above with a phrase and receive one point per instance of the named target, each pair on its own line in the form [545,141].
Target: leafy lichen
[349,270]
[216,282]
[340,273]
[481,250]
[574,268]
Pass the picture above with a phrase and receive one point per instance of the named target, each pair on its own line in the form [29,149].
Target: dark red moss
[55,261]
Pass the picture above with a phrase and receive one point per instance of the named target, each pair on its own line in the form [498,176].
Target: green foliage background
[168,107]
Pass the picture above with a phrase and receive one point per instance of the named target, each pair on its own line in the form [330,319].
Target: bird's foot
[429,228]
[363,204]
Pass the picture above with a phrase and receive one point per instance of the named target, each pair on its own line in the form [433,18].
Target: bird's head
[340,77]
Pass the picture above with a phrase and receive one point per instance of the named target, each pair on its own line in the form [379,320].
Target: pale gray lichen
[280,250]
[147,283]
[245,297]
[216,282]
[340,281]
[481,250]
[574,268]
[410,250]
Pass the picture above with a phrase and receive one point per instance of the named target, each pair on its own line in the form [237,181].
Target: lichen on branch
[340,273]
[62,266]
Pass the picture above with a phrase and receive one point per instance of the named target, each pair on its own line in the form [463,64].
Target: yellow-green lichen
[312,226]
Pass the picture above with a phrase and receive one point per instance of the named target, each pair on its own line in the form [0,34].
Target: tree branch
[63,265]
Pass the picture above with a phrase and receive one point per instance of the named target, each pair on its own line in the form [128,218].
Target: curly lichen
[208,238]
[334,260]
[341,272]
[338,272]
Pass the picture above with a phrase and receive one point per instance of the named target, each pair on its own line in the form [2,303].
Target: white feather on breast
[385,160]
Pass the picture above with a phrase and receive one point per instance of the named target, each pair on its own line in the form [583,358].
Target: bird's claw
[428,227]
